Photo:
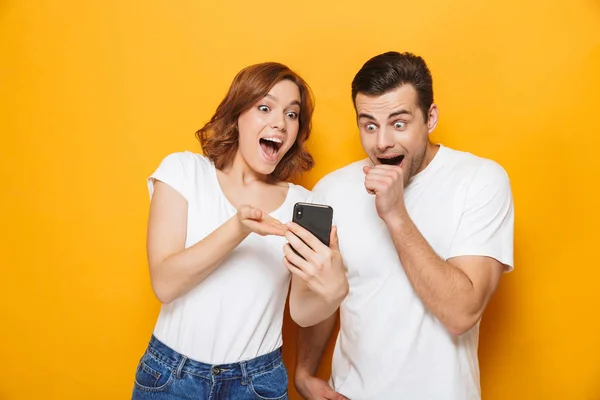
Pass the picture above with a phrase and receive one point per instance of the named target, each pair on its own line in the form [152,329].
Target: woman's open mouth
[270,147]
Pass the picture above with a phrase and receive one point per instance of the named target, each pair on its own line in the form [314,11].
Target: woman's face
[269,128]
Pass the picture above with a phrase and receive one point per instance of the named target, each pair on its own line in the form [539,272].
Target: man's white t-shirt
[390,346]
[236,313]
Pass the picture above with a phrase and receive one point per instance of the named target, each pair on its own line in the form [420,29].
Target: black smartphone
[315,218]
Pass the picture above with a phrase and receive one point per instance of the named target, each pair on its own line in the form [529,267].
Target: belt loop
[180,366]
[245,377]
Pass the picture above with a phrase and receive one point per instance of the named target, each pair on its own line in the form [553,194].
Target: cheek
[250,122]
[292,132]
[413,141]
[247,131]
[368,141]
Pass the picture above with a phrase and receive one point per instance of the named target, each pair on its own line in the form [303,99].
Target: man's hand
[322,268]
[313,388]
[386,182]
[254,220]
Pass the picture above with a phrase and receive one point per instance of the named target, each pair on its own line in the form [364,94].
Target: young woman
[215,241]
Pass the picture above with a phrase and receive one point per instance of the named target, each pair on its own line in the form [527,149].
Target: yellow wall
[94,93]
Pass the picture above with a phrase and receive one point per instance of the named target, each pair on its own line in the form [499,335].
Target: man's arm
[456,290]
[311,343]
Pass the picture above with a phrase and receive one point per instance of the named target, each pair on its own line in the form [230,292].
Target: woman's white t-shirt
[235,313]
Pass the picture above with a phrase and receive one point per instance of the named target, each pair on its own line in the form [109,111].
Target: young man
[425,232]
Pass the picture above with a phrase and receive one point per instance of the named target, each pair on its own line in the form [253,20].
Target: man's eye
[399,125]
[371,127]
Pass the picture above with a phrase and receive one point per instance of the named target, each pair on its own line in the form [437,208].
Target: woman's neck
[239,172]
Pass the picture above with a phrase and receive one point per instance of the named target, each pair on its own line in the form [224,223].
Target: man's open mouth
[391,160]
[270,146]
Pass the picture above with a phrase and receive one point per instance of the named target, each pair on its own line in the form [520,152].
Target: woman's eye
[292,115]
[264,108]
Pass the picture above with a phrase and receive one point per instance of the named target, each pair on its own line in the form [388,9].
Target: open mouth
[391,160]
[270,147]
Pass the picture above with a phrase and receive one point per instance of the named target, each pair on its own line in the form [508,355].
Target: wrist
[329,298]
[336,297]
[240,230]
[395,218]
[301,375]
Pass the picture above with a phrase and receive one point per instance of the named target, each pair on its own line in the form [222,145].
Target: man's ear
[432,119]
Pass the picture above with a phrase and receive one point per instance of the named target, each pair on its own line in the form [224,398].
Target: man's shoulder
[472,166]
[299,192]
[342,176]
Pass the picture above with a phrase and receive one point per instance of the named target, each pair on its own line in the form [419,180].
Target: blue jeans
[164,374]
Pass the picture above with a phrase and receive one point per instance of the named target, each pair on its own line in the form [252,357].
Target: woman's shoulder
[188,161]
[189,157]
[184,171]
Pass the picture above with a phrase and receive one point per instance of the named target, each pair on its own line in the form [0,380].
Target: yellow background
[93,94]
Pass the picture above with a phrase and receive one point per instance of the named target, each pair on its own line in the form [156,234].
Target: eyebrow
[399,112]
[392,115]
[295,102]
[366,116]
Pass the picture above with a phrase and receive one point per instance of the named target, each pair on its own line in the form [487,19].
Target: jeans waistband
[242,369]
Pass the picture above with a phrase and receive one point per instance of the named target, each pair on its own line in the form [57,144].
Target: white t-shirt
[236,313]
[390,346]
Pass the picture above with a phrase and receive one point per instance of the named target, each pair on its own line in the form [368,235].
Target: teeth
[276,140]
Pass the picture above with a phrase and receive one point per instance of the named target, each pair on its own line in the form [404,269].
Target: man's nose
[384,140]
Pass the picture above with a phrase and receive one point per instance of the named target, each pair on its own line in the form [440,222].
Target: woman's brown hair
[219,137]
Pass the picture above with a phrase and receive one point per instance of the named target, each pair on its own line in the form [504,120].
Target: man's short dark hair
[389,71]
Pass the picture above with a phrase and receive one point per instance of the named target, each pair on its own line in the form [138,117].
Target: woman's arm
[174,269]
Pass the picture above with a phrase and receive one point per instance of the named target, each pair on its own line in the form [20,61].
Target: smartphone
[315,218]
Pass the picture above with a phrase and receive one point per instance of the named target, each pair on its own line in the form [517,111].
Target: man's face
[393,128]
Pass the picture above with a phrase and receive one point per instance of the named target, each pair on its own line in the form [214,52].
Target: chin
[264,168]
[267,171]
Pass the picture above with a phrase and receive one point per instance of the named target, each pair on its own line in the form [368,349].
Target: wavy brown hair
[219,137]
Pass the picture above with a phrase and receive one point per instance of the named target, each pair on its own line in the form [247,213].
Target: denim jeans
[164,374]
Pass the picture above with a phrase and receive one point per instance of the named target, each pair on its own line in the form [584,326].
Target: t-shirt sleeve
[486,227]
[172,171]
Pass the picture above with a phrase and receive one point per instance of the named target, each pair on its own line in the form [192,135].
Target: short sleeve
[486,227]
[171,171]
